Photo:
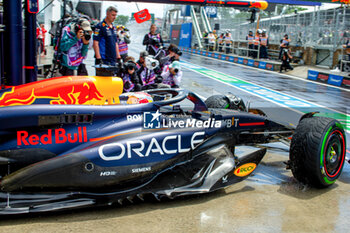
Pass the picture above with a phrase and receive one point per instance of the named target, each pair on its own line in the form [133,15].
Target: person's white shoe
[336,69]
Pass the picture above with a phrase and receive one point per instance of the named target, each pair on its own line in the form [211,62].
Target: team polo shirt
[107,38]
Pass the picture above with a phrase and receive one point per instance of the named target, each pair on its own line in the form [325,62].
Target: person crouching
[130,80]
[286,59]
[172,75]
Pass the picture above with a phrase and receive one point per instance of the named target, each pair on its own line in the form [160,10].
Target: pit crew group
[157,67]
[261,39]
[220,43]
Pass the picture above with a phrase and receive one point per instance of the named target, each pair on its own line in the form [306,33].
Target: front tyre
[317,152]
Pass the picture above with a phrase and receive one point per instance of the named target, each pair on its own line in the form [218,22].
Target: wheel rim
[334,154]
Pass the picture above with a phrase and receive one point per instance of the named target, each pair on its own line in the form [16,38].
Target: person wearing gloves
[74,46]
[153,41]
[172,75]
[130,80]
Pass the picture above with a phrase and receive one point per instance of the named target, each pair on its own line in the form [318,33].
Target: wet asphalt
[270,200]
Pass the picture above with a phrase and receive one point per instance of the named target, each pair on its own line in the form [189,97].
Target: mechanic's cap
[175,65]
[144,54]
[259,31]
[85,25]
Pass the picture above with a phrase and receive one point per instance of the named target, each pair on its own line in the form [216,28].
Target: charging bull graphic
[262,5]
[342,1]
[63,90]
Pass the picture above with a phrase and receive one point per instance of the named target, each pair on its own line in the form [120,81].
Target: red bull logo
[262,5]
[57,136]
[342,1]
[62,90]
[142,16]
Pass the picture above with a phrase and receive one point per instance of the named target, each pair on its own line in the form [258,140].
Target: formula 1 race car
[63,147]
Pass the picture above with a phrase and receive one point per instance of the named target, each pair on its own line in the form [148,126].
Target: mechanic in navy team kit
[106,42]
[153,41]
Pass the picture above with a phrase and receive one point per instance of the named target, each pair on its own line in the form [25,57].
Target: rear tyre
[317,152]
[217,101]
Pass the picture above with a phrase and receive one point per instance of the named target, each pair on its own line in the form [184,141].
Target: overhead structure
[257,4]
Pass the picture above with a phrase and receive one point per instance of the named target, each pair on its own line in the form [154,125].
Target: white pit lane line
[192,67]
[272,72]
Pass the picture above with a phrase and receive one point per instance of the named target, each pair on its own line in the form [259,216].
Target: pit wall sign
[332,79]
[234,59]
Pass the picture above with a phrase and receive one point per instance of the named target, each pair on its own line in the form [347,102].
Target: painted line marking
[288,101]
[269,71]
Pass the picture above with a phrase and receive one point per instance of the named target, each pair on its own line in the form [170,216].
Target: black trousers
[65,71]
[263,52]
[286,65]
[250,53]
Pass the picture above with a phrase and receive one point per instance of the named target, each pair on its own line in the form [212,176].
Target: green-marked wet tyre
[217,101]
[228,101]
[317,152]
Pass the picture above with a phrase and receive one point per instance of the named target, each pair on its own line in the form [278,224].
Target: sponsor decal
[132,149]
[262,65]
[335,80]
[216,55]
[269,66]
[231,59]
[185,35]
[151,120]
[250,62]
[201,52]
[245,169]
[209,54]
[108,173]
[53,136]
[190,123]
[231,122]
[136,117]
[142,169]
[256,64]
[227,58]
[240,60]
[235,59]
[223,57]
[323,77]
[245,61]
[346,82]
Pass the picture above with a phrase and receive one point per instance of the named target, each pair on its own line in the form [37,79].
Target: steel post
[30,65]
[13,36]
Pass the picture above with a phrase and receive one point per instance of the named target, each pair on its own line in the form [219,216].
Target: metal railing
[345,61]
[239,48]
[196,27]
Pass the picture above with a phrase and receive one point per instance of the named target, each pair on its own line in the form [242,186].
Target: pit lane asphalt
[268,201]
